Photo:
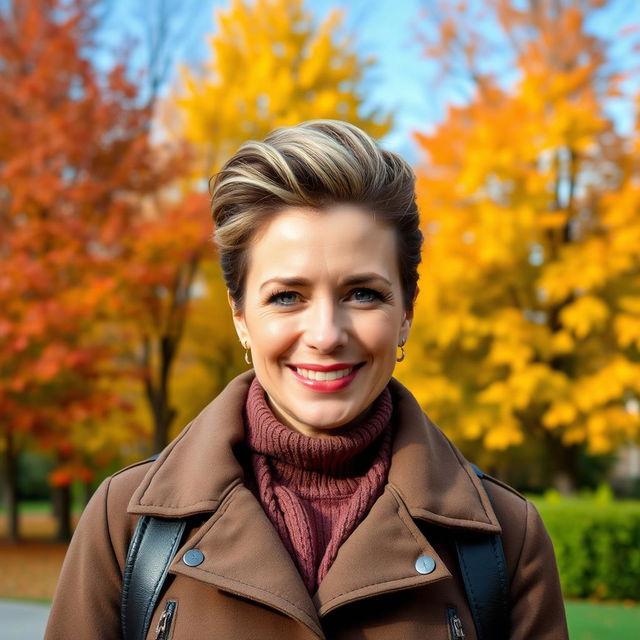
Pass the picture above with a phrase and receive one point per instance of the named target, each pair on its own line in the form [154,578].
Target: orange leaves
[75,163]
[530,202]
[49,364]
[65,475]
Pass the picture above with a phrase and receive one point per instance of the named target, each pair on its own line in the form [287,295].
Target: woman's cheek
[377,332]
[276,333]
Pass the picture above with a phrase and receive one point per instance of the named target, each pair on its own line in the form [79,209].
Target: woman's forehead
[338,242]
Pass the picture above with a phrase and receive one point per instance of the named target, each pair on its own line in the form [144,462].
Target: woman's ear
[408,315]
[238,321]
[406,324]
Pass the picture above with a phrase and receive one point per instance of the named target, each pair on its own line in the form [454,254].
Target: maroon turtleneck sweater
[317,490]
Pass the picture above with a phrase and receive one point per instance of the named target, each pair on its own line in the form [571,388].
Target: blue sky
[402,81]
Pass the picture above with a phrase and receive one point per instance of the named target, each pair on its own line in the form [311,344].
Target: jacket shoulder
[135,469]
[124,482]
[521,524]
[503,485]
[510,506]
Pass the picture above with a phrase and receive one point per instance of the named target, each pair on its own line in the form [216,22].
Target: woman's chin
[326,422]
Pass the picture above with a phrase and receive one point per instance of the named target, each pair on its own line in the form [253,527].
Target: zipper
[455,624]
[163,628]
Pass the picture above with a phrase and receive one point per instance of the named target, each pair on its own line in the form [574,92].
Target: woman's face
[323,314]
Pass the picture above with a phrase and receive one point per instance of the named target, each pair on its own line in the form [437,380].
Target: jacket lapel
[244,555]
[432,477]
[198,469]
[380,556]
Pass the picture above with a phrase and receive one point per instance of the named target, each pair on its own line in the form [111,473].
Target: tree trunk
[563,461]
[10,488]
[162,424]
[163,413]
[87,492]
[62,512]
[157,386]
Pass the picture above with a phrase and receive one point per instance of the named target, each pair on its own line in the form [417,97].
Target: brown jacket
[247,587]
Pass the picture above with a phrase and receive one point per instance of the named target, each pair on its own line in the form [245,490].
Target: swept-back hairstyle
[315,165]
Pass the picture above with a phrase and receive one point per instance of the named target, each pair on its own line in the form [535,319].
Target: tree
[75,158]
[529,323]
[164,252]
[270,66]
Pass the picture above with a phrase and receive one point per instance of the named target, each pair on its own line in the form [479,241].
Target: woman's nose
[325,328]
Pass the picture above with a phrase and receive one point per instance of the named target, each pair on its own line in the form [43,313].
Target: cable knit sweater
[317,490]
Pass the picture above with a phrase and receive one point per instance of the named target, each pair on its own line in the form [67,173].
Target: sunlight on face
[323,314]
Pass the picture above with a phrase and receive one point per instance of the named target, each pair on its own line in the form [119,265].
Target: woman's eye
[366,295]
[284,298]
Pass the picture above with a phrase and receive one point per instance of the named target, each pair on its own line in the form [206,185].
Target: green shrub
[597,545]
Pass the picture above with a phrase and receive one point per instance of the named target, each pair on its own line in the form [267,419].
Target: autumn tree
[75,159]
[165,250]
[271,64]
[528,330]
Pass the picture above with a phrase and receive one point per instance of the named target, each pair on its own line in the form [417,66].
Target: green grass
[30,506]
[603,621]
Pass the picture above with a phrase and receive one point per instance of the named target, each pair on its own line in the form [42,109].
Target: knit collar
[342,454]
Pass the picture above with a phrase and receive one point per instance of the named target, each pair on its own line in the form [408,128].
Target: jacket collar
[198,469]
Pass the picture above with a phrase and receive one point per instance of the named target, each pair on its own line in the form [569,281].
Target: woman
[322,502]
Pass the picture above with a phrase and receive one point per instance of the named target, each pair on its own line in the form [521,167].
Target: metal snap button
[193,557]
[425,564]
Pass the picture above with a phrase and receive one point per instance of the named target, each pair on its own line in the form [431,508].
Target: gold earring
[247,354]
[400,358]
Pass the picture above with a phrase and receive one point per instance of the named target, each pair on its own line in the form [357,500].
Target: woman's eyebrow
[362,278]
[359,278]
[286,282]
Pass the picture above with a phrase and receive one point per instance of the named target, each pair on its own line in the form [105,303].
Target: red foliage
[75,163]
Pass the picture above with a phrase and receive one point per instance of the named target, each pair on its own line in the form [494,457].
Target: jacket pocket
[165,623]
[456,632]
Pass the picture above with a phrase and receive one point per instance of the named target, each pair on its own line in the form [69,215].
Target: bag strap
[484,572]
[153,546]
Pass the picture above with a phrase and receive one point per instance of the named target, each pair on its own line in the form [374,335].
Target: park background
[522,121]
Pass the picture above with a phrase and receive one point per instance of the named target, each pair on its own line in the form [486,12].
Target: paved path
[22,620]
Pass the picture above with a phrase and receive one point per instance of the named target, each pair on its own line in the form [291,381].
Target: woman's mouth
[326,379]
[324,375]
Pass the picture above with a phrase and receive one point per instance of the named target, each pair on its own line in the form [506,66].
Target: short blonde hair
[315,164]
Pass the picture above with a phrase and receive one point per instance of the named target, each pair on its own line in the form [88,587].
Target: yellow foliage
[511,354]
[496,393]
[562,342]
[531,276]
[439,389]
[562,412]
[584,316]
[270,66]
[600,426]
[627,328]
[471,426]
[504,434]
[630,304]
